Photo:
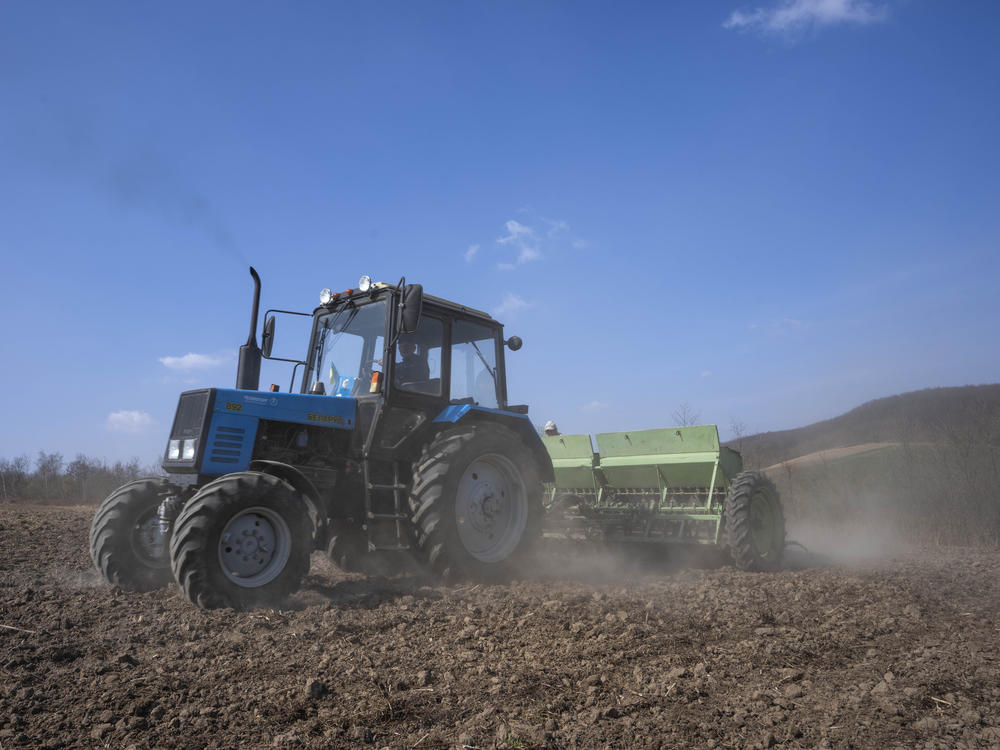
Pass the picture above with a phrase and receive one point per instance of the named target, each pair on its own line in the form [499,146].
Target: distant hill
[966,414]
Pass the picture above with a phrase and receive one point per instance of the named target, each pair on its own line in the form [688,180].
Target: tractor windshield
[348,348]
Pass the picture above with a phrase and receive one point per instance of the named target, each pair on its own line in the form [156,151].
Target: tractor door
[416,387]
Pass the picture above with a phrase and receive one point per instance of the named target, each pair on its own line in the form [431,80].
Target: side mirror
[410,306]
[514,343]
[267,338]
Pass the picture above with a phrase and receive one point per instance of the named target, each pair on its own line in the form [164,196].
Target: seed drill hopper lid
[671,457]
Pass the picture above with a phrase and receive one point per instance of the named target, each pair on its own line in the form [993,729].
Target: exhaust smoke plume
[67,145]
[149,184]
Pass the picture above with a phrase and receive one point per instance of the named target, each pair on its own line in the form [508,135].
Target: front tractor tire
[124,541]
[476,501]
[242,541]
[755,523]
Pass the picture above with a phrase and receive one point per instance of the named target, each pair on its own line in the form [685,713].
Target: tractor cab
[406,358]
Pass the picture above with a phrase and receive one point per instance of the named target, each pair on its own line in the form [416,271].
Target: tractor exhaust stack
[248,369]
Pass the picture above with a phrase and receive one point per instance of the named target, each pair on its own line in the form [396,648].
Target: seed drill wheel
[476,501]
[123,534]
[755,524]
[242,541]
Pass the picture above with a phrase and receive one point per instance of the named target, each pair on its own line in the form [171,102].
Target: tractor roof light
[326,297]
[364,283]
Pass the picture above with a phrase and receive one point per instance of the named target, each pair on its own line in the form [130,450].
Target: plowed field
[588,652]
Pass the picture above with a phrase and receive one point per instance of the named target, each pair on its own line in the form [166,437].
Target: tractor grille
[191,412]
[227,445]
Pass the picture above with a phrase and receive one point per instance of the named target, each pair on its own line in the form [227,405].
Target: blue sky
[771,211]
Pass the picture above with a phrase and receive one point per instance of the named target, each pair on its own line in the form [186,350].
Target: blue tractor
[400,441]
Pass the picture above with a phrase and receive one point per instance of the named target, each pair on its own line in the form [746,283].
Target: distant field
[832,454]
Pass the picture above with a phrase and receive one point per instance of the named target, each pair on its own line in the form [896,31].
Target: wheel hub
[483,508]
[491,508]
[254,547]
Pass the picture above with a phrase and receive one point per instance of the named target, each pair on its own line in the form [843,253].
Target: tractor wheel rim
[145,541]
[491,508]
[254,547]
[762,524]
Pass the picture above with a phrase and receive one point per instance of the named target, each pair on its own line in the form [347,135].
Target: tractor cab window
[348,349]
[418,358]
[474,363]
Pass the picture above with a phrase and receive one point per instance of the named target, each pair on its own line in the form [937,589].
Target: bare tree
[739,430]
[14,476]
[48,473]
[685,416]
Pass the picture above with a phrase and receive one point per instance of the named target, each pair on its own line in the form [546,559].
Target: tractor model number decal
[325,418]
[233,406]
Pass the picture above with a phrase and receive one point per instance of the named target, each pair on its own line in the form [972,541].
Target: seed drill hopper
[668,486]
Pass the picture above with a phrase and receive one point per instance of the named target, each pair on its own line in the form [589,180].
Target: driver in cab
[411,368]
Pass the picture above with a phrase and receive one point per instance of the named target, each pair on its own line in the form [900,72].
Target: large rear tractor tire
[476,502]
[123,537]
[755,523]
[242,541]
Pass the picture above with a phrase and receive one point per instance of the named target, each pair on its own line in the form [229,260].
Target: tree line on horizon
[49,477]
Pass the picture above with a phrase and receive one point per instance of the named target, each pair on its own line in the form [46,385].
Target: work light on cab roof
[364,285]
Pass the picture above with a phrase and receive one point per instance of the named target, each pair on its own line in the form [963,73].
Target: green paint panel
[673,457]
[693,470]
[704,438]
[572,459]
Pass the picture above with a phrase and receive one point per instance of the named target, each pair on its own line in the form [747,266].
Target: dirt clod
[316,688]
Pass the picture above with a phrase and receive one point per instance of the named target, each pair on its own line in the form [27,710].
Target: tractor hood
[215,428]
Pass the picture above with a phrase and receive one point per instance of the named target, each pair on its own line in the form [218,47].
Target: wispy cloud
[556,226]
[524,243]
[779,328]
[192,361]
[791,16]
[129,422]
[517,234]
[528,254]
[706,373]
[522,237]
[511,304]
[785,326]
[592,406]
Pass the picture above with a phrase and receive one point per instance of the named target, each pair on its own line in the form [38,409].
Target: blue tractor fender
[519,423]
